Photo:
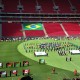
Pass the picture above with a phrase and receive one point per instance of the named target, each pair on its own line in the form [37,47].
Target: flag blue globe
[33,26]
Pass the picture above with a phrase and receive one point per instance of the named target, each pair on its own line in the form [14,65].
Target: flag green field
[17,64]
[32,26]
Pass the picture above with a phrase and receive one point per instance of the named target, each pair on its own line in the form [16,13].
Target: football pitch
[12,51]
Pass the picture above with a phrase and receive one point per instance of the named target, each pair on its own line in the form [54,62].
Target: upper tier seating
[29,6]
[76,3]
[37,33]
[64,6]
[53,29]
[11,29]
[10,5]
[46,5]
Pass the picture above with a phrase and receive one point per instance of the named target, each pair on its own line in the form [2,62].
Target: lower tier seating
[11,29]
[72,28]
[31,33]
[53,29]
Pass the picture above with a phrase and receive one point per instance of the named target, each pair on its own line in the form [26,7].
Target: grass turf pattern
[9,53]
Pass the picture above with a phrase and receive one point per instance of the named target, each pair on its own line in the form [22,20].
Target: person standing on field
[75,72]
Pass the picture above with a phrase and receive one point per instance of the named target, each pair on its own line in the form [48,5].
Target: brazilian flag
[32,26]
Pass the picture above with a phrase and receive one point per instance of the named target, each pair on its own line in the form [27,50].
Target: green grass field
[14,51]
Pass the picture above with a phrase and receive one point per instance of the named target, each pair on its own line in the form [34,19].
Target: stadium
[39,39]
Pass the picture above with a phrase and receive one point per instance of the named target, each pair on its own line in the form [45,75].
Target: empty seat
[11,29]
[10,5]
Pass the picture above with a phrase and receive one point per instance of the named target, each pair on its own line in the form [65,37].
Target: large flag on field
[25,63]
[17,64]
[13,72]
[27,71]
[1,65]
[3,74]
[32,26]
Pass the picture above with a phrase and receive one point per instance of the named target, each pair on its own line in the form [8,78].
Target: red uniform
[75,72]
[49,78]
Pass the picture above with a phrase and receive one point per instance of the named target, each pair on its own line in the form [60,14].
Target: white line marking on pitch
[60,77]
[66,75]
[76,65]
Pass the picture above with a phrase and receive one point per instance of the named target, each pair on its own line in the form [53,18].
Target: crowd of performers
[62,48]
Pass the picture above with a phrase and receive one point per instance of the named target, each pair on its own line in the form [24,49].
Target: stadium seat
[47,6]
[53,29]
[11,29]
[35,33]
[29,6]
[72,28]
[10,5]
[63,8]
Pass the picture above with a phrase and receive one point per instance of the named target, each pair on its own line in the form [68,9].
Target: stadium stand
[53,29]
[76,4]
[29,6]
[35,33]
[46,6]
[11,29]
[46,14]
[72,28]
[10,5]
[63,8]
